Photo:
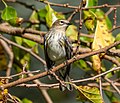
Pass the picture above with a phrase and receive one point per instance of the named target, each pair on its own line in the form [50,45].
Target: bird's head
[61,24]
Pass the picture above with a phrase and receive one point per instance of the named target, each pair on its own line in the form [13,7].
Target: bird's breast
[56,49]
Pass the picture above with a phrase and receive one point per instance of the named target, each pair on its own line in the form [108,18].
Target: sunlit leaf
[25,100]
[72,33]
[90,93]
[26,58]
[102,38]
[34,19]
[52,16]
[31,44]
[101,15]
[21,55]
[19,40]
[89,21]
[90,3]
[9,13]
[86,39]
[42,13]
[15,21]
[89,16]
[118,39]
[3,93]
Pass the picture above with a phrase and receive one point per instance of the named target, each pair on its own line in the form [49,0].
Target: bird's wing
[68,49]
[48,61]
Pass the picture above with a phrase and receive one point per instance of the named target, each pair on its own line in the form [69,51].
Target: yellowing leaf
[31,44]
[34,18]
[26,58]
[3,93]
[72,33]
[90,93]
[96,63]
[118,39]
[102,38]
[52,16]
[89,16]
[89,21]
[101,15]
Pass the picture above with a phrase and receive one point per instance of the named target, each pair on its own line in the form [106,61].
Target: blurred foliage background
[57,96]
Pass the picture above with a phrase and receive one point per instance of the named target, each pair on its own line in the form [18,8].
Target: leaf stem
[4,3]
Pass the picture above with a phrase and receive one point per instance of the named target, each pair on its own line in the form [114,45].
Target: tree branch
[75,58]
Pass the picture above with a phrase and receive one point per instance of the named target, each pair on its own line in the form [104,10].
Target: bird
[57,50]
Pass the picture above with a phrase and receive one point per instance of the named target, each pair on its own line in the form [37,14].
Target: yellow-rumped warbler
[58,49]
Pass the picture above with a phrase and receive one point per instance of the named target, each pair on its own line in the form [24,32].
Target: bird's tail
[68,85]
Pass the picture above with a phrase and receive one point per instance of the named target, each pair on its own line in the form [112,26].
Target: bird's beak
[67,22]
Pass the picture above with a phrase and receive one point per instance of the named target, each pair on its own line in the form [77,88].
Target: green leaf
[118,39]
[89,18]
[52,16]
[90,93]
[90,3]
[8,13]
[31,44]
[101,15]
[18,40]
[86,39]
[72,32]
[82,64]
[21,55]
[34,18]
[112,97]
[25,100]
[42,13]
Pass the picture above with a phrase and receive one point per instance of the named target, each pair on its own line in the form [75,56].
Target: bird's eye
[61,22]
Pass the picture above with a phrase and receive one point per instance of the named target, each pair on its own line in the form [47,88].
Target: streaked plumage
[57,49]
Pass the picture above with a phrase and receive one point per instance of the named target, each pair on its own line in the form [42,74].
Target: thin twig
[109,11]
[100,86]
[44,92]
[10,56]
[117,27]
[13,99]
[112,59]
[75,58]
[99,75]
[114,86]
[75,7]
[23,48]
[115,17]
